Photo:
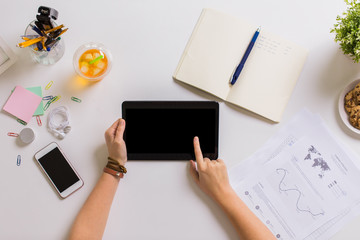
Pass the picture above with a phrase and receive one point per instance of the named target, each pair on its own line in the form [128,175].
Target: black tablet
[164,130]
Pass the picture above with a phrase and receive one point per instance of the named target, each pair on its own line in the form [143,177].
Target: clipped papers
[303,183]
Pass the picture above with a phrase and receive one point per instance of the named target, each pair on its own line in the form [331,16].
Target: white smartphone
[59,170]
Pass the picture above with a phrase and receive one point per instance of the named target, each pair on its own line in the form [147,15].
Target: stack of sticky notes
[40,108]
[24,103]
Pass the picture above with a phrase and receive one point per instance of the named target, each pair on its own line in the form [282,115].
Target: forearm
[245,222]
[91,220]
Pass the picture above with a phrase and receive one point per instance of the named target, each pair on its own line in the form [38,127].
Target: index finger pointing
[197,150]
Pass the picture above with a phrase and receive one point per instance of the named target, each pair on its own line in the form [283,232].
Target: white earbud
[61,135]
[67,129]
[59,130]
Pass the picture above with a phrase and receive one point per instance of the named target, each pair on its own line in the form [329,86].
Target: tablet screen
[165,130]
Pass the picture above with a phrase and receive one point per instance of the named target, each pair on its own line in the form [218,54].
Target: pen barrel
[244,58]
[247,53]
[256,34]
[239,69]
[236,73]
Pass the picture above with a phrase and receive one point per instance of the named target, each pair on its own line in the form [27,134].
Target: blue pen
[36,30]
[244,58]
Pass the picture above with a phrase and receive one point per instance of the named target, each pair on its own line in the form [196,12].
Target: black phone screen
[58,169]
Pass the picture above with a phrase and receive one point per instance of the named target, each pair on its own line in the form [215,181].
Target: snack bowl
[342,112]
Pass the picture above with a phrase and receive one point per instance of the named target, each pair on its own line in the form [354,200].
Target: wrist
[114,168]
[119,160]
[223,196]
[114,173]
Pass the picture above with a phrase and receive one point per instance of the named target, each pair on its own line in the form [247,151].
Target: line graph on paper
[293,192]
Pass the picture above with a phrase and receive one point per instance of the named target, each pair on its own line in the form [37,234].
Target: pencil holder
[45,55]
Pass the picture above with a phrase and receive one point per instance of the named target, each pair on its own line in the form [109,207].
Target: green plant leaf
[347,30]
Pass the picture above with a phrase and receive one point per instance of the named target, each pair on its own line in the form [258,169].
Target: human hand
[210,176]
[115,142]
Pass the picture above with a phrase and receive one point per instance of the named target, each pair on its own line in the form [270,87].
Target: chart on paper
[290,191]
[302,184]
[294,192]
[285,190]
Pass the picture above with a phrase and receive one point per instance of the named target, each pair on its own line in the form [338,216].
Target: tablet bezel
[173,105]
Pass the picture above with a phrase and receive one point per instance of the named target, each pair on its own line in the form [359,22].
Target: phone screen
[58,169]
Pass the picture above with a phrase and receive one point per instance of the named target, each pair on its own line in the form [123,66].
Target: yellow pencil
[54,29]
[30,42]
[62,32]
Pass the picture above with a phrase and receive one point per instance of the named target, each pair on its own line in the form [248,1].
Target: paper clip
[48,97]
[75,99]
[21,121]
[55,99]
[18,160]
[38,119]
[49,85]
[47,105]
[11,134]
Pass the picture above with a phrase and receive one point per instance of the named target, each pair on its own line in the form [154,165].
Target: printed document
[303,184]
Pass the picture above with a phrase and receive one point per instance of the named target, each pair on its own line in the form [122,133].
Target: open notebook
[216,47]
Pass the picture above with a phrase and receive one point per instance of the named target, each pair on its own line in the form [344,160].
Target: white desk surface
[156,200]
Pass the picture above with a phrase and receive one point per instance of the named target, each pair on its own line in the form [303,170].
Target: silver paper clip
[18,160]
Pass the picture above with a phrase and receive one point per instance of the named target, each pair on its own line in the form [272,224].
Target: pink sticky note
[22,103]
